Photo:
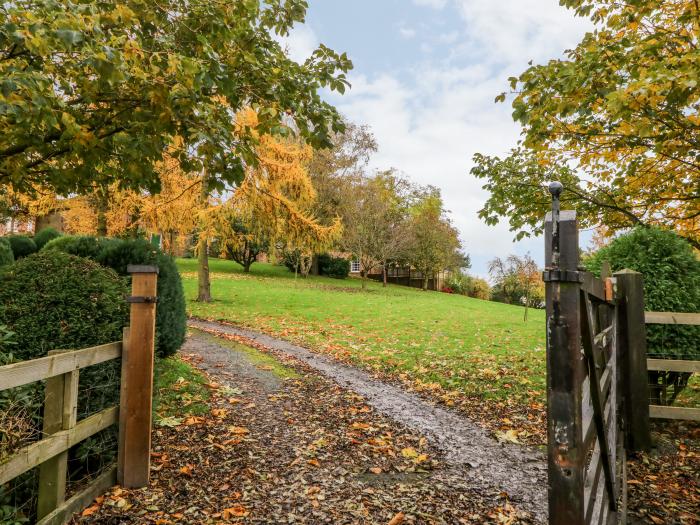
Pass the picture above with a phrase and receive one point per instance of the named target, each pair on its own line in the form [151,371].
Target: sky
[425,76]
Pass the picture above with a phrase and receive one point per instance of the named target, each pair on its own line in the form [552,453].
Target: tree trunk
[384,275]
[204,284]
[102,205]
[246,266]
[425,281]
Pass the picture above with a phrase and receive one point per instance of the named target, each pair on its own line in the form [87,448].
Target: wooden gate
[586,456]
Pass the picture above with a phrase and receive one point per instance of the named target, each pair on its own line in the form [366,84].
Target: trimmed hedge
[22,245]
[171,317]
[671,284]
[6,255]
[44,236]
[336,267]
[82,246]
[54,300]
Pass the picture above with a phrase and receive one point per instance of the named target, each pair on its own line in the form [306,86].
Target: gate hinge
[562,276]
[142,299]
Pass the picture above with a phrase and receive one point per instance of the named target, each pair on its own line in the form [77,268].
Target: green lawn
[466,346]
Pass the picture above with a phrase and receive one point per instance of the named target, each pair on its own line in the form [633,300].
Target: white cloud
[431,119]
[435,4]
[407,32]
[300,43]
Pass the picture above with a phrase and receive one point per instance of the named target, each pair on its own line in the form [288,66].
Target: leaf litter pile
[282,444]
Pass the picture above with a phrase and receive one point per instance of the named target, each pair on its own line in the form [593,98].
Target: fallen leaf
[375,470]
[237,511]
[398,519]
[90,510]
[409,453]
[238,430]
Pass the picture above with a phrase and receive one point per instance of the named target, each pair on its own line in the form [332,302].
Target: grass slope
[447,342]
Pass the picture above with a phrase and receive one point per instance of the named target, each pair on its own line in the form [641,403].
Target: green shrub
[82,246]
[171,317]
[6,255]
[671,284]
[54,300]
[336,267]
[44,236]
[22,245]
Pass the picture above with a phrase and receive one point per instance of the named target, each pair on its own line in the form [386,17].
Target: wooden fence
[673,365]
[61,430]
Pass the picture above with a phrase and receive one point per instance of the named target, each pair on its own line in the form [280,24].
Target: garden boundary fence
[681,366]
[61,430]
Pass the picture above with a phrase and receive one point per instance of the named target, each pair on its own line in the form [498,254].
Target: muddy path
[482,462]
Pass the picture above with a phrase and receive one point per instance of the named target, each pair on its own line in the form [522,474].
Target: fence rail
[61,430]
[673,365]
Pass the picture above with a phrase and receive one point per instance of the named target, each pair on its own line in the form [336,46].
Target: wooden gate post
[633,363]
[565,367]
[137,380]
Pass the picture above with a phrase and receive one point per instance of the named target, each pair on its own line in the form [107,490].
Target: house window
[355,266]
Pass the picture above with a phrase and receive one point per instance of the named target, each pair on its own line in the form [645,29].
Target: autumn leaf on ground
[238,430]
[398,519]
[90,510]
[409,453]
[375,470]
[187,470]
[219,413]
[237,511]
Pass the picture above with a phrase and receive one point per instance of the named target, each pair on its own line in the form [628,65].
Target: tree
[337,169]
[616,121]
[274,200]
[246,241]
[94,93]
[362,217]
[517,280]
[432,242]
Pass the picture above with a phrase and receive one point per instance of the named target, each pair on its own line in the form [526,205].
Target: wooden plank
[673,365]
[664,412]
[22,373]
[632,341]
[593,286]
[672,318]
[588,336]
[60,413]
[122,396]
[35,454]
[137,381]
[82,499]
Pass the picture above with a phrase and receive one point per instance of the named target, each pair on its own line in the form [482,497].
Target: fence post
[60,413]
[633,360]
[137,380]
[565,367]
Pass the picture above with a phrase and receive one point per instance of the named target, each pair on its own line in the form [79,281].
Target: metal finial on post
[555,188]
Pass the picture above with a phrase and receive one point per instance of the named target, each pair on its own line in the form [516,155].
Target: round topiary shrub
[82,246]
[44,236]
[671,272]
[6,255]
[52,300]
[171,317]
[22,245]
